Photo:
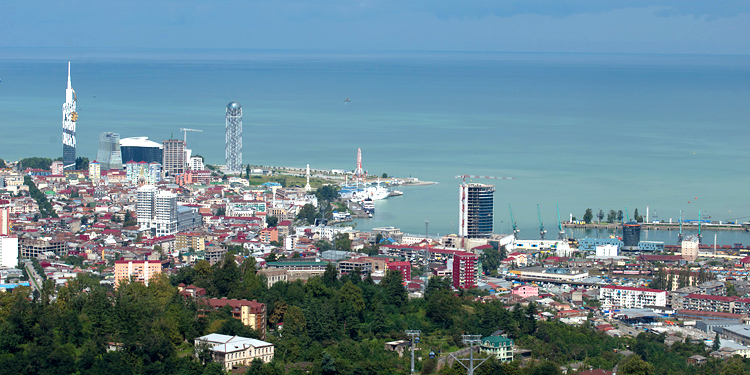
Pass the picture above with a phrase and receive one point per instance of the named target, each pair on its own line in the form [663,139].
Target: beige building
[140,270]
[187,240]
[690,247]
[234,351]
[250,313]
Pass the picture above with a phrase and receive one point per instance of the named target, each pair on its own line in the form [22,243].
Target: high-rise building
[95,171]
[8,251]
[465,270]
[631,235]
[156,210]
[4,217]
[70,116]
[165,215]
[109,155]
[145,207]
[174,157]
[475,211]
[233,146]
[140,149]
[139,270]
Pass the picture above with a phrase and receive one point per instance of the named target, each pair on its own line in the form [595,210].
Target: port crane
[560,232]
[679,236]
[541,225]
[513,222]
[184,132]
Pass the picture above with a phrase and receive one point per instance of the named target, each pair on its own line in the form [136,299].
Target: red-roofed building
[721,304]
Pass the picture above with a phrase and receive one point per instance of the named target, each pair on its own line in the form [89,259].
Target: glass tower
[233,147]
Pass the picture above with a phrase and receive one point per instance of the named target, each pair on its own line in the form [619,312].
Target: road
[34,278]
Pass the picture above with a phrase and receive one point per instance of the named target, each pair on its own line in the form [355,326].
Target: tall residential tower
[475,211]
[233,146]
[70,116]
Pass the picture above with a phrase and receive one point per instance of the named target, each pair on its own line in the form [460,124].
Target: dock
[663,226]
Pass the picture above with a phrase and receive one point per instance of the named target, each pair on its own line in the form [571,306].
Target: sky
[577,26]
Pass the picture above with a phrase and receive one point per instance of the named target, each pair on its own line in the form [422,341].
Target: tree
[611,216]
[600,215]
[490,259]
[394,289]
[637,217]
[634,365]
[342,242]
[272,221]
[620,215]
[308,213]
[2,164]
[247,171]
[717,343]
[384,175]
[221,211]
[731,290]
[588,216]
[327,193]
[82,163]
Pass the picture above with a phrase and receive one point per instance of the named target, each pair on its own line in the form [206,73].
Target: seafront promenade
[662,226]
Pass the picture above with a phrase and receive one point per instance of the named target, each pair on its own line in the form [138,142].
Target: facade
[173,157]
[188,218]
[144,207]
[95,171]
[465,270]
[651,246]
[8,251]
[606,251]
[690,247]
[231,351]
[5,217]
[233,145]
[139,149]
[70,116]
[34,248]
[197,241]
[475,211]
[624,297]
[526,291]
[250,313]
[165,215]
[590,244]
[631,235]
[196,164]
[402,267]
[500,347]
[58,168]
[109,151]
[140,270]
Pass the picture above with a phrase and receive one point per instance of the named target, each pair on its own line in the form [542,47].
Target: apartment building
[625,297]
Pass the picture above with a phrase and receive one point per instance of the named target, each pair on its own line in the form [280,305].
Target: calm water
[599,131]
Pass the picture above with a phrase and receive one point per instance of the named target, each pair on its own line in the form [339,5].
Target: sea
[600,131]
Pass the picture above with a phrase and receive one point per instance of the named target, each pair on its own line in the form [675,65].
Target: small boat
[347,100]
[368,206]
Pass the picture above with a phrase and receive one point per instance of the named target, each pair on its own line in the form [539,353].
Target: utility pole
[471,340]
[413,333]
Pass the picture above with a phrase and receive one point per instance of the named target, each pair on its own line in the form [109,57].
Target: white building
[156,210]
[196,164]
[625,297]
[145,205]
[690,247]
[232,351]
[8,251]
[607,250]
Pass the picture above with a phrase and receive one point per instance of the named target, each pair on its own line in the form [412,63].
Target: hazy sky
[647,26]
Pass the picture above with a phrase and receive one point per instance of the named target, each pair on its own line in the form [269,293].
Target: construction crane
[627,215]
[700,221]
[513,222]
[541,225]
[465,176]
[184,132]
[560,232]
[679,236]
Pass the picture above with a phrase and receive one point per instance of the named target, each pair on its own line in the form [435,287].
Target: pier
[663,226]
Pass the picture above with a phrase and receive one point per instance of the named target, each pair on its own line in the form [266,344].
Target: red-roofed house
[402,267]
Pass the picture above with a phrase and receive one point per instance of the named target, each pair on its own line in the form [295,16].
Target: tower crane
[700,221]
[560,232]
[513,222]
[679,236]
[541,225]
[184,132]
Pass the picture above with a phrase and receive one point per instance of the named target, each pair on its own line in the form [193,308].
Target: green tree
[717,343]
[588,216]
[271,221]
[611,216]
[600,215]
[308,214]
[82,163]
[342,242]
[327,193]
[394,289]
[620,215]
[731,290]
[490,259]
[634,365]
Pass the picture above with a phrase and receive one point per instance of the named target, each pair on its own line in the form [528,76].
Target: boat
[368,206]
[347,100]
[396,193]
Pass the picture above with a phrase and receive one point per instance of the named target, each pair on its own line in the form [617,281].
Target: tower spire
[69,85]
